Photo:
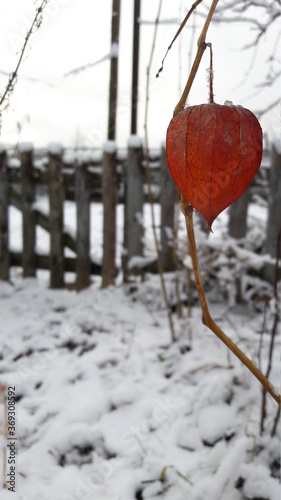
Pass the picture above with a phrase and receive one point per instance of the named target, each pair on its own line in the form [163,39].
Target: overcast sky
[73,110]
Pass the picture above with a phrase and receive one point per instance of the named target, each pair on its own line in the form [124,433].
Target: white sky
[73,110]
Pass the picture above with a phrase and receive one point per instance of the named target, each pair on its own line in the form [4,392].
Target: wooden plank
[43,262]
[56,199]
[82,196]
[4,227]
[109,217]
[134,199]
[28,219]
[42,220]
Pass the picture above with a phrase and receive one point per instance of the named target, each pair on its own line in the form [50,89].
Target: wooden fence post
[274,210]
[109,196]
[56,199]
[82,196]
[167,202]
[134,199]
[4,204]
[28,217]
[237,223]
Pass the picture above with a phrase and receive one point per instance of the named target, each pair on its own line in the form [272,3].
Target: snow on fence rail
[78,177]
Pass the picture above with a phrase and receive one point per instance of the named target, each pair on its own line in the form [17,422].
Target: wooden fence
[81,181]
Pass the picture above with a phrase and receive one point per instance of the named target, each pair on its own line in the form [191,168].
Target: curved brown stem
[207,320]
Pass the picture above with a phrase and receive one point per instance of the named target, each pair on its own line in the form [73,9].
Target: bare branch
[37,21]
[192,8]
[269,12]
[111,55]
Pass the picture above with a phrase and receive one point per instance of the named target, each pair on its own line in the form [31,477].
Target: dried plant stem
[12,80]
[192,8]
[211,75]
[159,260]
[201,46]
[207,320]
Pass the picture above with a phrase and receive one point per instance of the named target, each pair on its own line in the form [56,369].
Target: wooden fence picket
[28,216]
[167,202]
[56,199]
[82,198]
[109,199]
[134,200]
[4,229]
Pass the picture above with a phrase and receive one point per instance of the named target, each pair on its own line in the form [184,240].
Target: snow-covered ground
[108,408]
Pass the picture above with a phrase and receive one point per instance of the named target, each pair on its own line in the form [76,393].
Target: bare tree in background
[261,16]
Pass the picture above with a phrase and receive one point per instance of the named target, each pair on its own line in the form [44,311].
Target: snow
[14,162]
[2,147]
[25,147]
[98,416]
[134,141]
[109,147]
[139,262]
[108,406]
[114,50]
[55,148]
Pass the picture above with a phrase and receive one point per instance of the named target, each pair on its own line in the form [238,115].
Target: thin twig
[201,46]
[261,335]
[207,320]
[12,80]
[192,8]
[159,261]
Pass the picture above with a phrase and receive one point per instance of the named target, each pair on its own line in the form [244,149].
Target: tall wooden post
[56,199]
[274,211]
[167,202]
[135,67]
[109,182]
[113,81]
[28,217]
[4,204]
[82,196]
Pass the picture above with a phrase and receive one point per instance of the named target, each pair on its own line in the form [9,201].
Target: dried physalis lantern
[213,153]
